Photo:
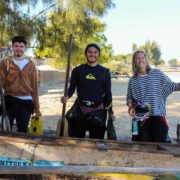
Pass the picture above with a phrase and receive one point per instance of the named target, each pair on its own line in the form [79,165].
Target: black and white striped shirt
[152,89]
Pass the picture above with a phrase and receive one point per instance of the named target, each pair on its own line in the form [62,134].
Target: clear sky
[136,21]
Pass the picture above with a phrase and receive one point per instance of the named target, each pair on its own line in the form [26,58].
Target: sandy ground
[51,107]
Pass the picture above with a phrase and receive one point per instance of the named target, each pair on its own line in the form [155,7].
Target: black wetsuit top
[93,84]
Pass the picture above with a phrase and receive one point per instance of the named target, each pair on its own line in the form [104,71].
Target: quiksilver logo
[90,76]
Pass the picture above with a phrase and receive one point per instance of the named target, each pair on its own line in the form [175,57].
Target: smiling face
[19,49]
[141,62]
[92,55]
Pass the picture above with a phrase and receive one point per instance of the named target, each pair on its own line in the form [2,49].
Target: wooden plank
[74,170]
[22,177]
[53,139]
[98,144]
[20,137]
[173,149]
[83,151]
[81,155]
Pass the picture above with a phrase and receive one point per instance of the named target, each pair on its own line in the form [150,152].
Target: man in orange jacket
[18,76]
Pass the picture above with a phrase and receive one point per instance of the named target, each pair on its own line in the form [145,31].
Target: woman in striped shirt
[152,87]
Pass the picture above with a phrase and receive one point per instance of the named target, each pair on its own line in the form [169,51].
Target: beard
[92,61]
[18,54]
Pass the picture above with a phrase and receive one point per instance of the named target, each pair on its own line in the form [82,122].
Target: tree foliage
[173,62]
[12,19]
[16,19]
[51,27]
[79,18]
[153,51]
[134,47]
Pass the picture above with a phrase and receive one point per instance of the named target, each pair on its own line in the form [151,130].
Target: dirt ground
[51,107]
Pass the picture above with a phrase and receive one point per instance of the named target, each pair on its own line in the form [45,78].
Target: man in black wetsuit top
[93,83]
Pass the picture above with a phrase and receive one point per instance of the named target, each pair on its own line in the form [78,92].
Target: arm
[130,109]
[108,93]
[72,87]
[3,73]
[108,96]
[129,100]
[73,82]
[35,93]
[168,85]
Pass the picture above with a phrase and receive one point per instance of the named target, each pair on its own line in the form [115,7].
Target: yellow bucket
[36,125]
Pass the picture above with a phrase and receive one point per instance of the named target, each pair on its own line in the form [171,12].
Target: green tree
[172,62]
[161,62]
[134,47]
[79,18]
[153,51]
[16,19]
[125,59]
[13,20]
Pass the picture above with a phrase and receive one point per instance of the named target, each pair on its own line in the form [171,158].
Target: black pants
[20,110]
[94,122]
[154,129]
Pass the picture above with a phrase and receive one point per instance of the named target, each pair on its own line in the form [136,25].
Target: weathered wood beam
[78,169]
[161,148]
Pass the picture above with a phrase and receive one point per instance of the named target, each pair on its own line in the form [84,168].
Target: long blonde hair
[135,69]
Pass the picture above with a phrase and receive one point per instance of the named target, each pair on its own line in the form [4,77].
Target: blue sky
[136,21]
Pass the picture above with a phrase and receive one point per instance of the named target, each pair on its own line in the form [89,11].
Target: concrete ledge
[51,75]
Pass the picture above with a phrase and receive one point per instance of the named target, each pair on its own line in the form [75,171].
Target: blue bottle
[134,127]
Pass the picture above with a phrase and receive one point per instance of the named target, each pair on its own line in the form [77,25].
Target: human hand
[38,113]
[112,117]
[64,99]
[131,111]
